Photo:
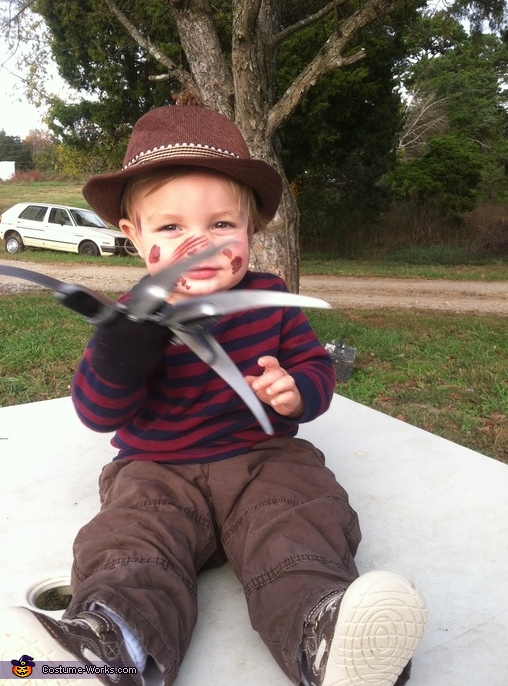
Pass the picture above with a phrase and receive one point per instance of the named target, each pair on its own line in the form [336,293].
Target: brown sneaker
[90,640]
[365,635]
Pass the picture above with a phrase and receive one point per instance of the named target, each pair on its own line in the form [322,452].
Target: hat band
[179,150]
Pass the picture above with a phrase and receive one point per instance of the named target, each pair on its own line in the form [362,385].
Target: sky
[17,116]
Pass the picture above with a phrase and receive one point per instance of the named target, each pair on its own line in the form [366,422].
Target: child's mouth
[201,273]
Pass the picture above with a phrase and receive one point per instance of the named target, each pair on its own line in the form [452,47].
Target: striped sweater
[185,412]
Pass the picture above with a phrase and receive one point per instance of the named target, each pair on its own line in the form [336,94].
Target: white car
[57,227]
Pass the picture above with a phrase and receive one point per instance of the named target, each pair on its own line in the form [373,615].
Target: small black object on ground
[343,358]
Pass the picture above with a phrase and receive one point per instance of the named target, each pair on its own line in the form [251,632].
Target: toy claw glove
[126,352]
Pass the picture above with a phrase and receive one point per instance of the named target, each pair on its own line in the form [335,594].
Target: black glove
[126,352]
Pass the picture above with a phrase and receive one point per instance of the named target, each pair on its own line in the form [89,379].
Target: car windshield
[88,218]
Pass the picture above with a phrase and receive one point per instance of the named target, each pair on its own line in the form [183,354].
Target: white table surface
[429,509]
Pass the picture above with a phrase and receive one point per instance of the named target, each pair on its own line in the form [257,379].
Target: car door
[60,231]
[31,225]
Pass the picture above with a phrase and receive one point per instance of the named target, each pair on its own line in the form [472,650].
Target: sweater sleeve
[110,384]
[303,356]
[103,405]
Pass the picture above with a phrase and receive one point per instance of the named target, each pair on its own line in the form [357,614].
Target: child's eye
[223,225]
[169,227]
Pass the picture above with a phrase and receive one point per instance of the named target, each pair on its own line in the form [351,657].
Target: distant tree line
[13,149]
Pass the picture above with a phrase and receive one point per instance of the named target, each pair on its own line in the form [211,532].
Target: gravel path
[340,292]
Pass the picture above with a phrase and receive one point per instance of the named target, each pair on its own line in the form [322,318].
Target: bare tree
[424,118]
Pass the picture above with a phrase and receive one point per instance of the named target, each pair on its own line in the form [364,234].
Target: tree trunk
[277,249]
[245,94]
[200,43]
[253,66]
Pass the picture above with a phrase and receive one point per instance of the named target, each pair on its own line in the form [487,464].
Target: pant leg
[290,535]
[141,554]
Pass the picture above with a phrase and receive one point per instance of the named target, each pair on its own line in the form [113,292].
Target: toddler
[196,482]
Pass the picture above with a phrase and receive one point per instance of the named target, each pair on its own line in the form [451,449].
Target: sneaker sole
[380,625]
[21,633]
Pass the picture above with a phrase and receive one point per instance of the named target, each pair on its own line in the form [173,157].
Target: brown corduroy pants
[277,514]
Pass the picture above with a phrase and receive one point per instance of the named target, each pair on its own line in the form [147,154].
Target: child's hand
[277,388]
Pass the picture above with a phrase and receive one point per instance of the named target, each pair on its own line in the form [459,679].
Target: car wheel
[89,248]
[14,244]
[130,248]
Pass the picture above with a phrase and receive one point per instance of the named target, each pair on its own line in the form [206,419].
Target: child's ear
[128,228]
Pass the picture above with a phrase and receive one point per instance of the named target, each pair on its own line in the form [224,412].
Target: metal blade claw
[94,307]
[204,345]
[228,302]
[200,343]
[29,275]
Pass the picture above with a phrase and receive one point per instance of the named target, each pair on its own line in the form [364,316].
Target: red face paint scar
[227,252]
[155,254]
[190,246]
[183,283]
[236,264]
[138,224]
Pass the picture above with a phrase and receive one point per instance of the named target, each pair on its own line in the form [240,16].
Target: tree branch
[320,65]
[303,23]
[174,70]
[21,8]
[329,58]
[424,117]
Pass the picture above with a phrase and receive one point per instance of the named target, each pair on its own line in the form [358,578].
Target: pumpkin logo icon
[23,667]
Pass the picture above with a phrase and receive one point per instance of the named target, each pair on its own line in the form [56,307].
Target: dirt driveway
[415,294]
[340,292]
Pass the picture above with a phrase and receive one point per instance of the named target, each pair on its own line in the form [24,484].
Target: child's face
[177,218]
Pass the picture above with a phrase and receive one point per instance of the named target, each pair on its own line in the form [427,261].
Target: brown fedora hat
[177,135]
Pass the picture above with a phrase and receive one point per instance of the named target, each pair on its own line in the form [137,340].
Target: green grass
[60,193]
[437,262]
[443,372]
[491,270]
[41,345]
[446,373]
[55,257]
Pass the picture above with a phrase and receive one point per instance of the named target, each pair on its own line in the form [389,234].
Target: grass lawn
[60,193]
[495,270]
[434,262]
[490,270]
[443,372]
